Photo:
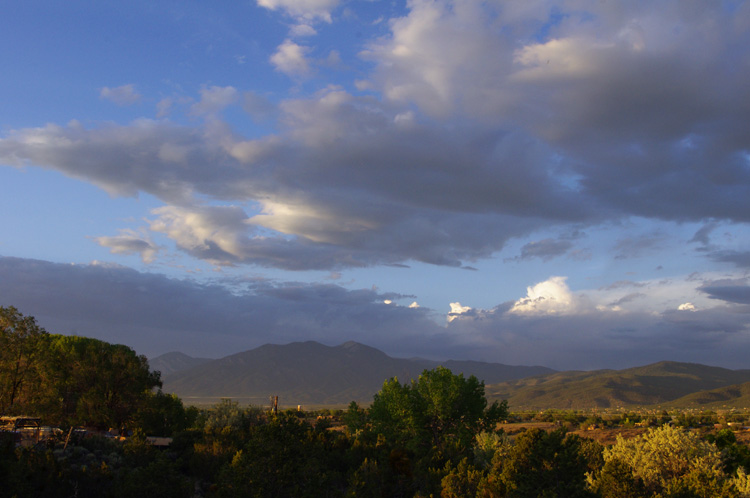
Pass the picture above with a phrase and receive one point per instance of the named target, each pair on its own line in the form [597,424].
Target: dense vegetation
[434,436]
[69,380]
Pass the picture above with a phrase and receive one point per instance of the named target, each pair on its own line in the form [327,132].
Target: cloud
[215,234]
[121,95]
[466,138]
[545,249]
[310,10]
[214,99]
[130,242]
[623,284]
[732,291]
[257,106]
[122,160]
[557,327]
[633,247]
[290,59]
[702,236]
[301,30]
[646,114]
[155,314]
[456,310]
[433,56]
[549,297]
[472,197]
[628,298]
[740,259]
[226,236]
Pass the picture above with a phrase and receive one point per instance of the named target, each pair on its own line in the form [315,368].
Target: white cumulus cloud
[456,310]
[549,297]
[309,10]
[290,59]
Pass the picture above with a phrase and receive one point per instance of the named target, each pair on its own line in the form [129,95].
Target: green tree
[487,445]
[461,481]
[163,414]
[733,454]
[355,418]
[540,464]
[92,382]
[20,339]
[285,457]
[439,411]
[147,471]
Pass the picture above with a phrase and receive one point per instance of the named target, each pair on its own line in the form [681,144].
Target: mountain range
[310,373]
[664,384]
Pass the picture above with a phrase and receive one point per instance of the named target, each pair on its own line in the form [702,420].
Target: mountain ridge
[656,384]
[313,373]
[174,361]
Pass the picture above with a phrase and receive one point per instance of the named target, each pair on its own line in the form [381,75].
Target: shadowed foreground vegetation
[434,436]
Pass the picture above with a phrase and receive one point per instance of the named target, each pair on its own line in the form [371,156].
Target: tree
[438,411]
[92,382]
[540,464]
[461,481]
[285,457]
[20,338]
[164,414]
[733,454]
[666,461]
[355,418]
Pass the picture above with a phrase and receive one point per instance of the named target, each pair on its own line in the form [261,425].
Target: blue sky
[561,183]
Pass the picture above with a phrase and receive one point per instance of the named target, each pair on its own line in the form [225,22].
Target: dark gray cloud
[633,247]
[646,112]
[702,236]
[606,339]
[383,194]
[628,298]
[545,249]
[740,259]
[735,293]
[623,284]
[155,314]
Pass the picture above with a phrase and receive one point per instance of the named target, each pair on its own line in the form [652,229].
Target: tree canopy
[439,410]
[69,380]
[20,347]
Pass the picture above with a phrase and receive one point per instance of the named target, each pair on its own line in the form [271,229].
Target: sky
[558,183]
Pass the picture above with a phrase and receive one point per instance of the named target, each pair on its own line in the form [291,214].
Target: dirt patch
[609,436]
[515,428]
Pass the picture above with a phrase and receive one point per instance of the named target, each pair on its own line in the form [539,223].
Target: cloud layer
[493,121]
[551,325]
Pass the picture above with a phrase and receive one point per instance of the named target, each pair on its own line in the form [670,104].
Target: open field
[608,435]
